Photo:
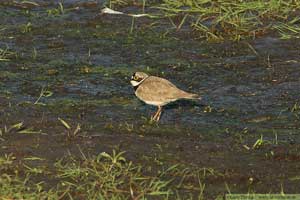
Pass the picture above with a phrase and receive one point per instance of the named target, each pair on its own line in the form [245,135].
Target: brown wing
[159,89]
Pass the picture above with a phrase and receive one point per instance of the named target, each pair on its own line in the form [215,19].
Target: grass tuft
[229,20]
[233,20]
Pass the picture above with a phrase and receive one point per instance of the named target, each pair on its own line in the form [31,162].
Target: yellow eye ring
[135,78]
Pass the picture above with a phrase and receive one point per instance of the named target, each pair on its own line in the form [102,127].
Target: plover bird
[157,91]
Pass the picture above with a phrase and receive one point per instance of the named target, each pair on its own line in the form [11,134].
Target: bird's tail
[192,96]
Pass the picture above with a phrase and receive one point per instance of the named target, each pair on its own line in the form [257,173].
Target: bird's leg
[159,113]
[154,117]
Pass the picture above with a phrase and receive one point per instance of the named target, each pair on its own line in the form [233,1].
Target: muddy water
[85,60]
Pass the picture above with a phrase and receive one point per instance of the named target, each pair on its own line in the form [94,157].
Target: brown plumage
[157,91]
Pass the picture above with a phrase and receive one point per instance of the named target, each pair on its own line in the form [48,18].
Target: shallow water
[86,60]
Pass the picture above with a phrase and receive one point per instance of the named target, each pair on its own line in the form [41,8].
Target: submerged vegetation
[6,54]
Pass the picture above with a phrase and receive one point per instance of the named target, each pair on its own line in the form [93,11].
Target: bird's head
[137,78]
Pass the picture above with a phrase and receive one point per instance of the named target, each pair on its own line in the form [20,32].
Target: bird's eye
[135,78]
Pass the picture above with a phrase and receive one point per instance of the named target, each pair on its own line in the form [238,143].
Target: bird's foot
[154,118]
